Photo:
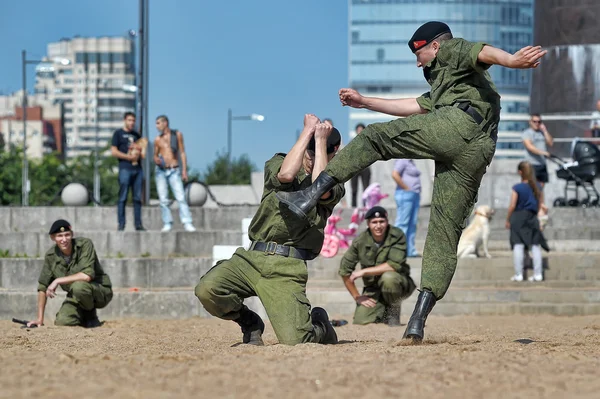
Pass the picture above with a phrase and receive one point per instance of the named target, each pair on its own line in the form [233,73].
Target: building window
[355,36]
[380,54]
[105,58]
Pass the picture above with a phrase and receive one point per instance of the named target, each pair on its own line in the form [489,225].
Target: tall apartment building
[44,124]
[382,65]
[94,88]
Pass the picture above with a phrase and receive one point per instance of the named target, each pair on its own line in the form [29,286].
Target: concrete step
[476,284]
[182,303]
[559,218]
[127,272]
[575,268]
[566,266]
[550,233]
[128,244]
[39,219]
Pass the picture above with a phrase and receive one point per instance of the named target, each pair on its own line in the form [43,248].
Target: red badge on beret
[419,43]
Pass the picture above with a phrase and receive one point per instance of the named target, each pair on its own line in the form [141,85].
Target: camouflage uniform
[82,297]
[279,281]
[387,288]
[461,148]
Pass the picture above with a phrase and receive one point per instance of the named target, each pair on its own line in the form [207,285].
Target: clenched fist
[310,121]
[350,97]
[323,130]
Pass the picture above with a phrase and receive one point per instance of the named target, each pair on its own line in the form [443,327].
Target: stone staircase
[154,273]
[164,287]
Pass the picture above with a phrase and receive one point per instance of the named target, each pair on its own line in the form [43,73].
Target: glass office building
[381,63]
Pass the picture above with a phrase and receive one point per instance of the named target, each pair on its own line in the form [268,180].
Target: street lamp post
[25,165]
[230,118]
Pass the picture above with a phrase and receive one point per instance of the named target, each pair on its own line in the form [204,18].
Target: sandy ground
[462,357]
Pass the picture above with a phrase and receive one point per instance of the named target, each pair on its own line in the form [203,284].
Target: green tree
[239,172]
[10,176]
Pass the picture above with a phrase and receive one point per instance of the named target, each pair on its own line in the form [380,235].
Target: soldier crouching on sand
[381,252]
[73,264]
[274,267]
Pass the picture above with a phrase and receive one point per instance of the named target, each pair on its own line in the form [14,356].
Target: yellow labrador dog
[476,234]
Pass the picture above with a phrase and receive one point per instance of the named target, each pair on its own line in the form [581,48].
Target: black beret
[426,34]
[60,226]
[334,139]
[376,212]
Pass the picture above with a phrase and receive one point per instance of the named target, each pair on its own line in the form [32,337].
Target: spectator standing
[168,148]
[130,169]
[408,198]
[595,123]
[526,201]
[536,140]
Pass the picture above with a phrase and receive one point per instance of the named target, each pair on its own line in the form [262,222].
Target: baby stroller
[579,173]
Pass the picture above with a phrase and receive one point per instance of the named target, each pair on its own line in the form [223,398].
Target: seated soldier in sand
[381,251]
[73,264]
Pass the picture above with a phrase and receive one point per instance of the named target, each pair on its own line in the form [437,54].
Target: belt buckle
[268,250]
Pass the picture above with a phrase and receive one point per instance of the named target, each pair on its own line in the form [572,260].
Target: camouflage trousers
[461,151]
[278,281]
[82,298]
[391,287]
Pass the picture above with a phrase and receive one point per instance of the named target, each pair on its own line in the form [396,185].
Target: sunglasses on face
[537,121]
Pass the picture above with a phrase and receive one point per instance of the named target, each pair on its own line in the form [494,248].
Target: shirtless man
[168,147]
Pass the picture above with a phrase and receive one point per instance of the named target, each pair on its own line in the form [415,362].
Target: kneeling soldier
[72,263]
[274,267]
[381,251]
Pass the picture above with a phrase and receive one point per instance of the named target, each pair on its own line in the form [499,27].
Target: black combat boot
[90,319]
[252,327]
[301,202]
[416,324]
[323,327]
[392,315]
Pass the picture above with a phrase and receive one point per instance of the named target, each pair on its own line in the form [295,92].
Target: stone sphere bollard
[196,194]
[75,194]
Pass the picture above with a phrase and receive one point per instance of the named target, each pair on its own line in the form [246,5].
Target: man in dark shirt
[274,267]
[130,170]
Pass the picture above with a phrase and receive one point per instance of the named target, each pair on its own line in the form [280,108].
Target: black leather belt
[466,107]
[272,248]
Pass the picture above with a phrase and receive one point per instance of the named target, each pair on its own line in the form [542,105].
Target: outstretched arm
[527,57]
[396,107]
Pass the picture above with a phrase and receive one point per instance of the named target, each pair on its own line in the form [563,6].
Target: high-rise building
[381,63]
[95,88]
[44,124]
[566,85]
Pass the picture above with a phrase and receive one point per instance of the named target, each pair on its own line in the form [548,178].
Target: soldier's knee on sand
[207,291]
[82,293]
[67,320]
[390,281]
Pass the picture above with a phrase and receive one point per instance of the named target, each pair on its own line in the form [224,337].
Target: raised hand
[351,98]
[310,121]
[323,130]
[527,57]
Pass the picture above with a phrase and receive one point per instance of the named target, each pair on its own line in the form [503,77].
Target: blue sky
[278,58]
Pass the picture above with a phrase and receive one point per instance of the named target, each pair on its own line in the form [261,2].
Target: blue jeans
[406,217]
[164,179]
[130,178]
